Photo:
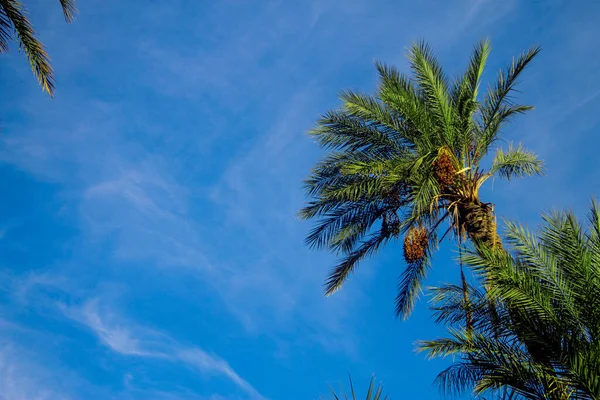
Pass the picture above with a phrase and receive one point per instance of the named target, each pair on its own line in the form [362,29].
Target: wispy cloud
[128,339]
[21,379]
[175,163]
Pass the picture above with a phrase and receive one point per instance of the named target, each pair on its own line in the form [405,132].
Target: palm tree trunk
[478,221]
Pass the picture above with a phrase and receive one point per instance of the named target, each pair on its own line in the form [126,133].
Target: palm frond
[457,343]
[434,85]
[13,18]
[497,107]
[374,392]
[5,32]
[69,8]
[468,90]
[340,273]
[370,109]
[516,162]
[33,48]
[409,287]
[465,93]
[401,96]
[357,217]
[339,131]
[545,291]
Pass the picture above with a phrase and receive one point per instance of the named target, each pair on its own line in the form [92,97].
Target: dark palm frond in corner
[14,24]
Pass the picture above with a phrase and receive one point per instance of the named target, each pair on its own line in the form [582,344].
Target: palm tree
[543,339]
[408,158]
[374,392]
[15,24]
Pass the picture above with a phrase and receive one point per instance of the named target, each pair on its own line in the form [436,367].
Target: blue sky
[149,247]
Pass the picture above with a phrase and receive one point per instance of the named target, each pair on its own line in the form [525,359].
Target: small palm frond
[370,109]
[69,9]
[424,196]
[409,286]
[350,222]
[457,343]
[467,91]
[339,131]
[457,378]
[33,48]
[5,32]
[464,95]
[401,96]
[341,272]
[13,18]
[516,162]
[328,173]
[497,107]
[433,83]
[374,392]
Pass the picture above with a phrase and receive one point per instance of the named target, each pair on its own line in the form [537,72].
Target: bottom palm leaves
[535,333]
[374,392]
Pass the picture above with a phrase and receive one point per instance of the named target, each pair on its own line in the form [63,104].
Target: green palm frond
[341,272]
[374,392]
[33,48]
[516,162]
[355,219]
[69,8]
[466,307]
[497,107]
[370,109]
[402,97]
[13,18]
[339,131]
[465,93]
[434,84]
[5,32]
[543,342]
[409,287]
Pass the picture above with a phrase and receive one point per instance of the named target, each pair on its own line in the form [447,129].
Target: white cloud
[136,194]
[128,339]
[22,380]
[133,175]
[208,363]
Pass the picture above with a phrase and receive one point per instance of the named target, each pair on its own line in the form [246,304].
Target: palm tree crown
[406,159]
[542,340]
[15,24]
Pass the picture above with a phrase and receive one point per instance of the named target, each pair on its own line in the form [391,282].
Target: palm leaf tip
[38,58]
[5,33]
[337,277]
[69,8]
[13,16]
[375,391]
